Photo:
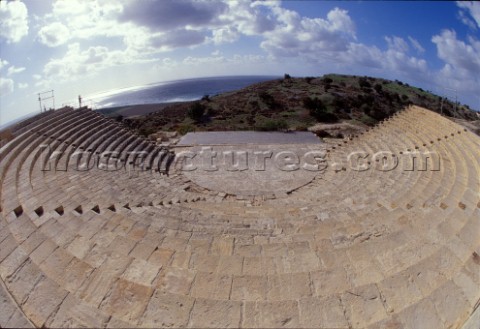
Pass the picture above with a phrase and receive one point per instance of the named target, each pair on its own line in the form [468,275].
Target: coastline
[130,111]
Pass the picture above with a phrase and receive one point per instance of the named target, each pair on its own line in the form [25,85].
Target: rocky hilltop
[331,105]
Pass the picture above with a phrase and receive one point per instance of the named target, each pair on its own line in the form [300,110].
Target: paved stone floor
[338,248]
[253,169]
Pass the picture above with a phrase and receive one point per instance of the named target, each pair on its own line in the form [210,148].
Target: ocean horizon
[174,91]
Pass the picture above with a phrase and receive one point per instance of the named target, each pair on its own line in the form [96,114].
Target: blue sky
[86,47]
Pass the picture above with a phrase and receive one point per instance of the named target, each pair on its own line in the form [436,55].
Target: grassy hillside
[298,103]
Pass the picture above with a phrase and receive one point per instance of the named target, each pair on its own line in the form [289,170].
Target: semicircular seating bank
[88,240]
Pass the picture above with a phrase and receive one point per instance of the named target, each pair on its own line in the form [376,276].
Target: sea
[173,91]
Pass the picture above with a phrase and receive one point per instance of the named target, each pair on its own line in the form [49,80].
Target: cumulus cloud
[471,8]
[77,62]
[303,36]
[225,35]
[22,85]
[395,59]
[54,34]
[13,20]
[397,44]
[3,63]
[203,60]
[176,39]
[171,15]
[6,86]
[462,63]
[460,54]
[14,70]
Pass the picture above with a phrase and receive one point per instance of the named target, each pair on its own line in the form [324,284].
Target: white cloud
[225,35]
[77,63]
[203,60]
[416,44]
[169,62]
[466,20]
[394,60]
[473,9]
[160,16]
[6,86]
[462,63]
[14,70]
[397,44]
[309,37]
[54,34]
[3,63]
[13,20]
[86,19]
[460,54]
[22,85]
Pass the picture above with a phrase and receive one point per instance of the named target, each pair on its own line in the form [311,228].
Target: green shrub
[327,80]
[326,117]
[185,128]
[313,104]
[301,127]
[196,111]
[363,83]
[272,125]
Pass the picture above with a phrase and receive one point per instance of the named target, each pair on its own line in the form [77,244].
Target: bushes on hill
[313,104]
[318,110]
[363,83]
[272,125]
[196,111]
[269,100]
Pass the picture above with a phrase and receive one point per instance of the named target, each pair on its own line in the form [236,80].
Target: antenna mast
[46,95]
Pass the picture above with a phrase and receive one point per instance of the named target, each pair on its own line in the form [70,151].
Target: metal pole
[40,102]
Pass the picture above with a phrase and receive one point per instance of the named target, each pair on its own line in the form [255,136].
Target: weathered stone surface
[322,312]
[251,288]
[212,285]
[400,291]
[420,315]
[141,272]
[43,300]
[175,280]
[161,257]
[283,314]
[96,286]
[372,249]
[126,300]
[23,280]
[451,305]
[12,262]
[167,310]
[288,286]
[74,313]
[43,251]
[75,273]
[363,306]
[208,313]
[327,282]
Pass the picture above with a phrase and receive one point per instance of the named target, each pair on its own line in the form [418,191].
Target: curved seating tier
[134,248]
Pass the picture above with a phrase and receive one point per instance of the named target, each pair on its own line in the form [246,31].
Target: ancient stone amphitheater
[166,248]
